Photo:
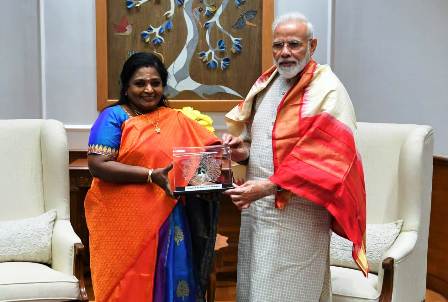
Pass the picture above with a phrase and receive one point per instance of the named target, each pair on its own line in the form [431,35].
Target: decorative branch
[180,79]
[211,57]
[135,3]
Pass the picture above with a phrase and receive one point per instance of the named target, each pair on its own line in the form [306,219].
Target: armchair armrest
[68,254]
[400,250]
[62,248]
[402,246]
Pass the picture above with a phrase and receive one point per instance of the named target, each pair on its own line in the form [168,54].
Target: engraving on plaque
[202,168]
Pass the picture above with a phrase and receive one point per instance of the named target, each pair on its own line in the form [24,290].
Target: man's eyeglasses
[291,45]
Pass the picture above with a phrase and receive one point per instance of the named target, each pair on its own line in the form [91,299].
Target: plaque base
[211,188]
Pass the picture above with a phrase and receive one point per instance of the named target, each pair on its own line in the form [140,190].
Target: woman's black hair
[135,62]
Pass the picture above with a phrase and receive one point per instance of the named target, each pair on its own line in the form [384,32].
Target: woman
[140,248]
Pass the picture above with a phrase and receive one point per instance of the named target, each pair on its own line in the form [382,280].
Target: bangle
[149,179]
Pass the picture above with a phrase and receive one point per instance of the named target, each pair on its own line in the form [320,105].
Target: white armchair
[397,161]
[33,180]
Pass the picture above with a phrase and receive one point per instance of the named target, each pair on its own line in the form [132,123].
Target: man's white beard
[291,71]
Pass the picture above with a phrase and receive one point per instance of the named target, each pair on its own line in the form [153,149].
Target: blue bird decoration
[169,25]
[243,20]
[236,46]
[238,3]
[225,62]
[221,45]
[212,64]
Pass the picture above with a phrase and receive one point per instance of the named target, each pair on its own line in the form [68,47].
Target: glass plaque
[202,169]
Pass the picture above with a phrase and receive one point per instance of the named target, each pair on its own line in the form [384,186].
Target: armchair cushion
[351,285]
[27,239]
[379,238]
[26,281]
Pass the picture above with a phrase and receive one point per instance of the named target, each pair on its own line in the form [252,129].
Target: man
[296,129]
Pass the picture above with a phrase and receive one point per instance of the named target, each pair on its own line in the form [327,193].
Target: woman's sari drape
[124,220]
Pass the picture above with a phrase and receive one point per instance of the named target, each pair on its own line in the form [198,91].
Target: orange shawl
[314,150]
[124,219]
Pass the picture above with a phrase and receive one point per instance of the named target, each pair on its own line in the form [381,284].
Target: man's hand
[242,196]
[160,177]
[239,149]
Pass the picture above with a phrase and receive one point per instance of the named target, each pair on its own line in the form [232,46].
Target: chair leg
[79,271]
[388,280]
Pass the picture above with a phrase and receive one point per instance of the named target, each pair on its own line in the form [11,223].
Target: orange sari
[124,219]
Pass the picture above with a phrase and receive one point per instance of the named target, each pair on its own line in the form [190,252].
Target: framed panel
[214,50]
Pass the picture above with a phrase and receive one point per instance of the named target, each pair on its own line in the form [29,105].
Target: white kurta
[283,253]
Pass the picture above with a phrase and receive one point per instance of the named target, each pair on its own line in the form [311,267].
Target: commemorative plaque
[202,169]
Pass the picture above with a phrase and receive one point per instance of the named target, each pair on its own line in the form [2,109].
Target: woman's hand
[160,177]
[238,148]
[242,196]
[110,170]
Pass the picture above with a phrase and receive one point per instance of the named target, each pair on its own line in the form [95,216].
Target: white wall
[392,57]
[389,54]
[20,94]
[70,60]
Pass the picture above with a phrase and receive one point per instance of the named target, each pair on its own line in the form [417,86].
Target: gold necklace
[155,123]
[134,110]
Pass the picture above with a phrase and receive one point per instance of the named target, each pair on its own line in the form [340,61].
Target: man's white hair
[298,17]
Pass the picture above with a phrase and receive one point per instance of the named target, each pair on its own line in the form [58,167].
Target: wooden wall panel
[114,46]
[437,273]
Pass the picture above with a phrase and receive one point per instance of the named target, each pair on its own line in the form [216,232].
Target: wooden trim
[437,266]
[440,160]
[211,105]
[74,155]
[79,164]
[388,280]
[266,36]
[203,105]
[101,54]
[79,271]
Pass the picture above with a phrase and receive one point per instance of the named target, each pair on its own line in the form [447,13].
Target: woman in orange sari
[140,245]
